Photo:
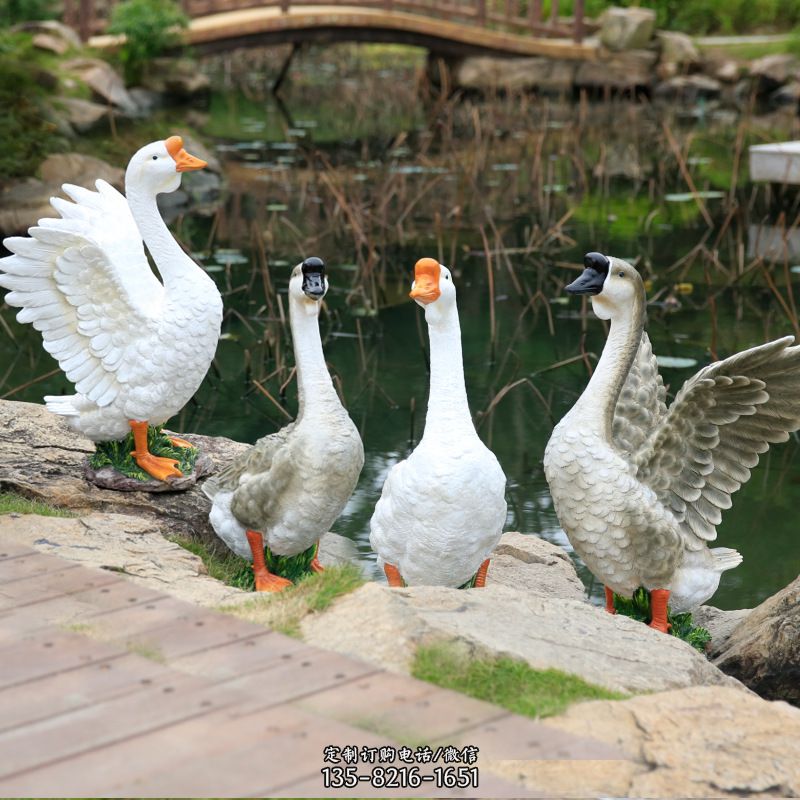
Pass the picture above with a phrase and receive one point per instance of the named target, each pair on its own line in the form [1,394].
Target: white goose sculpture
[290,487]
[136,349]
[639,489]
[442,510]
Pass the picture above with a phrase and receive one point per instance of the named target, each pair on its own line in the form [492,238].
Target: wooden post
[579,27]
[85,19]
[285,6]
[534,12]
[480,11]
[554,12]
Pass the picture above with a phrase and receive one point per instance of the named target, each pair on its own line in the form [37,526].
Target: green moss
[16,504]
[284,611]
[118,454]
[505,682]
[638,607]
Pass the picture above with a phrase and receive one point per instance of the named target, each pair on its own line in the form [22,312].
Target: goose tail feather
[63,405]
[725,558]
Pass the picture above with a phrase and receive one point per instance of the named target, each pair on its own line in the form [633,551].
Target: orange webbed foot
[176,441]
[393,576]
[159,468]
[480,577]
[267,582]
[610,601]
[659,598]
[315,566]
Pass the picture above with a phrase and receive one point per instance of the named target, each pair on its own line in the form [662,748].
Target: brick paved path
[110,689]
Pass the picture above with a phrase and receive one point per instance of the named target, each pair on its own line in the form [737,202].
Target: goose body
[638,488]
[135,348]
[442,510]
[290,487]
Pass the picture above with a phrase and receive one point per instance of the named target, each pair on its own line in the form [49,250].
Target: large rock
[771,72]
[720,624]
[105,83]
[764,650]
[677,50]
[627,28]
[131,545]
[177,78]
[620,72]
[79,169]
[84,115]
[51,27]
[484,73]
[688,89]
[570,635]
[23,203]
[533,564]
[41,458]
[696,742]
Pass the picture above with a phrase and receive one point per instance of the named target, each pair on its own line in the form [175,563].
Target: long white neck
[595,407]
[173,264]
[315,387]
[447,403]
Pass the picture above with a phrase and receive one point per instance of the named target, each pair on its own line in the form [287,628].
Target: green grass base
[504,681]
[11,503]
[237,571]
[118,454]
[638,607]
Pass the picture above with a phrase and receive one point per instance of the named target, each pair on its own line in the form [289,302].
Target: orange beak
[183,161]
[426,281]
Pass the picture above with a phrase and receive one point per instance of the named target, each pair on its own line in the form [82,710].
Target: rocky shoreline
[689,729]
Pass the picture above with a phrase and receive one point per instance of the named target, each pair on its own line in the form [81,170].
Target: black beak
[592,279]
[314,278]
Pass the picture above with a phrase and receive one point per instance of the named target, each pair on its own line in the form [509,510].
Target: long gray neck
[315,387]
[595,407]
[448,408]
[173,264]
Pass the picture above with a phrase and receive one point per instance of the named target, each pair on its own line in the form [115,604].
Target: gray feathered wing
[256,477]
[701,451]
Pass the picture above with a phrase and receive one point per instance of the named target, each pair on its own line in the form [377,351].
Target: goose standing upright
[291,486]
[136,349]
[442,510]
[639,489]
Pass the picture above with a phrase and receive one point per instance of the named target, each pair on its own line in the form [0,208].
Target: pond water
[509,192]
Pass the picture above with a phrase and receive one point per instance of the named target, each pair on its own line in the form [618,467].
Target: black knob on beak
[592,278]
[313,270]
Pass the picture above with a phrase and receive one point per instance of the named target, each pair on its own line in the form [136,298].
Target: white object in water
[775,163]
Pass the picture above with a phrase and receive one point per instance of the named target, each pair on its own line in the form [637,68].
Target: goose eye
[155,158]
[621,274]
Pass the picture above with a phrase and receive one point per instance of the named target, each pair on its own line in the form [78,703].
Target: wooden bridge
[508,27]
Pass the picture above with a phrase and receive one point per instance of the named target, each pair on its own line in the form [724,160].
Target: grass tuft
[118,454]
[11,503]
[638,607]
[284,611]
[505,681]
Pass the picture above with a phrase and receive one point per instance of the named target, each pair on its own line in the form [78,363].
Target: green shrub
[14,11]
[150,27]
[25,131]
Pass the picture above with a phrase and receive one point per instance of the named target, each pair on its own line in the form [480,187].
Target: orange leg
[393,576]
[159,468]
[178,442]
[610,601]
[480,577]
[265,580]
[315,566]
[658,610]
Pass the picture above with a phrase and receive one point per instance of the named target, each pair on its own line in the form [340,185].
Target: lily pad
[685,197]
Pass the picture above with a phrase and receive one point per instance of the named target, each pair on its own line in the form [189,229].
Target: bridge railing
[513,16]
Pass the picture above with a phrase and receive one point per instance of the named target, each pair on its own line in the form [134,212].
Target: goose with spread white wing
[290,486]
[442,510]
[638,488]
[136,349]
